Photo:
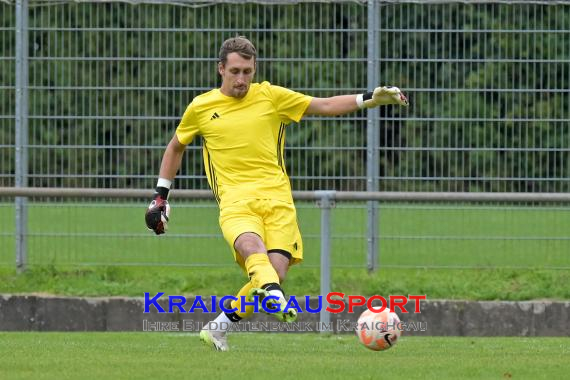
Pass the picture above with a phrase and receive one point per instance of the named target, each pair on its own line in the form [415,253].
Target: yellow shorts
[274,221]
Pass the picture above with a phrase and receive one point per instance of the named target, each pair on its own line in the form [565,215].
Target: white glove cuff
[360,101]
[163,182]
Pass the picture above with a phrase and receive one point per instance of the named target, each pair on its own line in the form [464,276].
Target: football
[378,331]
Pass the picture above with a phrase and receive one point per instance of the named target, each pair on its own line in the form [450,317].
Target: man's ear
[221,68]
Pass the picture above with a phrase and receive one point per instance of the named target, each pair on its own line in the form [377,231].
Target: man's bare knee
[249,243]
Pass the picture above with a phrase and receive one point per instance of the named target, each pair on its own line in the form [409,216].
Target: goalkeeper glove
[157,213]
[381,96]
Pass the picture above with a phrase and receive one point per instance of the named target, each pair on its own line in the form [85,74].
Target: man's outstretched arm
[342,104]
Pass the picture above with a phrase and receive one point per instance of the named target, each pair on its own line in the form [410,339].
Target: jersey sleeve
[290,105]
[188,127]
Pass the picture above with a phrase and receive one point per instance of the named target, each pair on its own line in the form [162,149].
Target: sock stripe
[233,317]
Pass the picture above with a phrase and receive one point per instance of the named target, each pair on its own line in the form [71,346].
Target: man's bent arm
[172,159]
[158,212]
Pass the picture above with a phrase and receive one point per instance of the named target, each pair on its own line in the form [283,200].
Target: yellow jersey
[243,140]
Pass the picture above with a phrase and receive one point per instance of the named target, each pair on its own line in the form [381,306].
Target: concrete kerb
[439,317]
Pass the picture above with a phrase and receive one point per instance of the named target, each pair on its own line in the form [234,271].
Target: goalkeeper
[243,126]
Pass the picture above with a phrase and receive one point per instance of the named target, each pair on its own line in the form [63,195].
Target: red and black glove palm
[158,212]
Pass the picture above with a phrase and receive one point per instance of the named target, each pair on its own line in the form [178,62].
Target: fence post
[372,137]
[325,203]
[21,116]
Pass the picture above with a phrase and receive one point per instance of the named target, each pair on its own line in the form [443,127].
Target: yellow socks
[260,270]
[261,275]
[237,304]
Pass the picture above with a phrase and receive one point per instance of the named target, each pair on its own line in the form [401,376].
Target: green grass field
[456,252]
[470,284]
[413,235]
[465,252]
[276,356]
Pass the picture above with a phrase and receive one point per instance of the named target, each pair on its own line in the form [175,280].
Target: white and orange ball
[378,331]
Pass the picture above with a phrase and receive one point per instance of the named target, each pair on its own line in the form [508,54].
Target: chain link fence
[105,84]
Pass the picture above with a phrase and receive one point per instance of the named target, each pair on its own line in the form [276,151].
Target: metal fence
[92,92]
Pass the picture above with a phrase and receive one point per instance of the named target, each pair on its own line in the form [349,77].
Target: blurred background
[92,92]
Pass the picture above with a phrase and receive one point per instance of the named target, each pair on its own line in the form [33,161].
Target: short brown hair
[240,45]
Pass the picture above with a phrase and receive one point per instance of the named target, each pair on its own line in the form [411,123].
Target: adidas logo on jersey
[215,116]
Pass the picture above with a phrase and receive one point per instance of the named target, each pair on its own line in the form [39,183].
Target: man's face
[236,74]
